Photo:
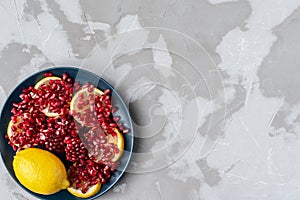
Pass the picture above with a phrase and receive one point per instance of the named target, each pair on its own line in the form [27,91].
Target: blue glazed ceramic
[82,76]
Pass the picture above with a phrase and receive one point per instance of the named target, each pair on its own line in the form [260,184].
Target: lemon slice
[90,192]
[119,142]
[46,81]
[84,94]
[40,171]
[10,124]
[10,133]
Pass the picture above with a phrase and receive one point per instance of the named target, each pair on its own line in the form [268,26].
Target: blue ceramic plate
[82,76]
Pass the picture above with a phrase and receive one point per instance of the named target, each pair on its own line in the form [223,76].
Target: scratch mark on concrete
[19,22]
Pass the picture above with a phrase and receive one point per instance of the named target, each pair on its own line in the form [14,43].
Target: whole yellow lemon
[40,171]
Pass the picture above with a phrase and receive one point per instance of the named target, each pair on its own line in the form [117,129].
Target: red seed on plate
[116,118]
[126,131]
[48,74]
[107,91]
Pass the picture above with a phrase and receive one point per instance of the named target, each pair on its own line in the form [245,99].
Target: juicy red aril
[116,119]
[48,74]
[107,91]
[114,110]
[90,88]
[65,76]
[126,131]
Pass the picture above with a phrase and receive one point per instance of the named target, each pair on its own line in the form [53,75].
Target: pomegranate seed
[65,76]
[116,119]
[69,80]
[13,128]
[91,88]
[107,91]
[120,126]
[48,74]
[126,131]
[114,110]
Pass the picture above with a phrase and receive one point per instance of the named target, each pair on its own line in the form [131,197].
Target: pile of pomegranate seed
[56,96]
[81,142]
